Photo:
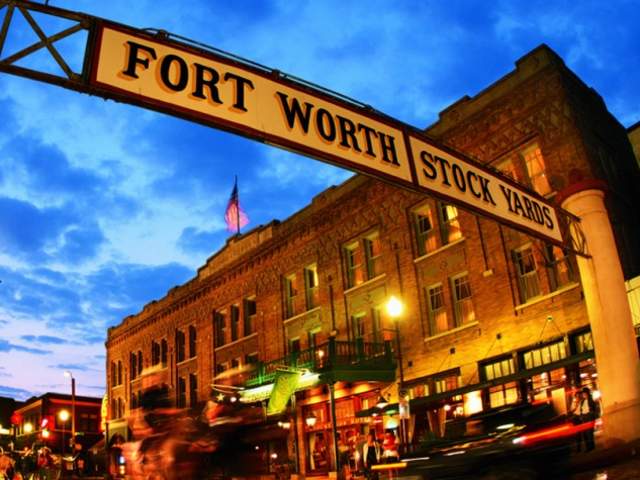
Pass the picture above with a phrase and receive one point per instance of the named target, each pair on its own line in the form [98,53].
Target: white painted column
[609,315]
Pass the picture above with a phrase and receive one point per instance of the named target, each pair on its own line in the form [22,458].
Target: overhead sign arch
[153,70]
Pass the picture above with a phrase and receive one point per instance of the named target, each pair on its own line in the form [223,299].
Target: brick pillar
[609,314]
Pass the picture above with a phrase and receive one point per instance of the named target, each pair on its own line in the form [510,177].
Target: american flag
[234,216]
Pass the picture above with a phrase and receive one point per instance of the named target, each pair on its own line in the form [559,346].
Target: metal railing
[331,354]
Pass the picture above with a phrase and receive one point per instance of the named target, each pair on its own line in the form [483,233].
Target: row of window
[234,330]
[508,393]
[249,359]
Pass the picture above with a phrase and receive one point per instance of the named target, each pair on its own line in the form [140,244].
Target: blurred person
[44,463]
[343,456]
[587,414]
[390,447]
[6,466]
[574,416]
[371,455]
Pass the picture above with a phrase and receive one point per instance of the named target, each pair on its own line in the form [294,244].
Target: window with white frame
[363,259]
[527,272]
[311,286]
[424,229]
[437,309]
[372,254]
[462,301]
[290,294]
[536,169]
[449,223]
[559,267]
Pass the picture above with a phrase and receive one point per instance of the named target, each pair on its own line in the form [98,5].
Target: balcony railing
[327,356]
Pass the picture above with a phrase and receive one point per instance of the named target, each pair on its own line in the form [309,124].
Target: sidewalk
[616,463]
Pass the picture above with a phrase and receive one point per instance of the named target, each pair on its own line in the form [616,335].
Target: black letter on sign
[458,177]
[211,83]
[547,216]
[329,136]
[134,59]
[388,148]
[471,175]
[240,82]
[183,72]
[427,161]
[347,130]
[368,132]
[294,111]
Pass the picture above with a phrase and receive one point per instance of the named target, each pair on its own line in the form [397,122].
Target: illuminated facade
[492,317]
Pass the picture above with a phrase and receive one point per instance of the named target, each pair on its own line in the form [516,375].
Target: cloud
[17,393]
[44,339]
[71,366]
[6,346]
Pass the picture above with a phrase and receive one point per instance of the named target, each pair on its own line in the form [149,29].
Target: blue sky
[104,207]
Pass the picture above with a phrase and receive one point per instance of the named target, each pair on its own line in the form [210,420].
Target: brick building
[492,316]
[38,420]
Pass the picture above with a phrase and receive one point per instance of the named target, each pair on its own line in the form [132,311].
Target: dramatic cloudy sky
[104,207]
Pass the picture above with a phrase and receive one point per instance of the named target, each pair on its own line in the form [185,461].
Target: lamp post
[68,374]
[395,309]
[63,415]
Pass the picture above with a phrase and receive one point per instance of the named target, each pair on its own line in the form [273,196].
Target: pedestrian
[390,447]
[574,416]
[371,455]
[587,412]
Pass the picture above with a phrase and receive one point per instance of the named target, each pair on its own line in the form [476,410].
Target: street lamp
[68,374]
[63,415]
[395,308]
[311,420]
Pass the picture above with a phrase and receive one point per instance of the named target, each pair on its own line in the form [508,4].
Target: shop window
[544,355]
[193,389]
[498,368]
[506,394]
[311,286]
[182,393]
[424,230]
[528,282]
[220,328]
[583,342]
[437,310]
[446,382]
[250,312]
[180,346]
[192,341]
[449,224]
[290,294]
[559,267]
[418,390]
[462,302]
[235,322]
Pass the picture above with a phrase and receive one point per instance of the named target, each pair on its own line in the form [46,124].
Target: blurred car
[525,443]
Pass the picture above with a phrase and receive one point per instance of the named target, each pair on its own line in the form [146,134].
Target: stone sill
[235,342]
[365,284]
[439,250]
[302,315]
[453,330]
[542,298]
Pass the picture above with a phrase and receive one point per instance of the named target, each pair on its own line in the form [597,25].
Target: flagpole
[237,208]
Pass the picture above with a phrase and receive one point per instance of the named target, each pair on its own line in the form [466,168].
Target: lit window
[290,293]
[498,368]
[425,233]
[528,282]
[505,394]
[544,355]
[463,305]
[583,342]
[437,310]
[536,170]
[559,267]
[372,253]
[311,286]
[355,274]
[449,223]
